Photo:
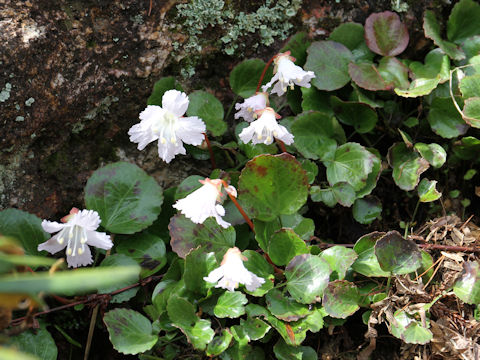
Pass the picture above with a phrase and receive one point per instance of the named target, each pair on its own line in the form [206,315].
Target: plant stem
[210,150]
[264,72]
[281,145]
[231,107]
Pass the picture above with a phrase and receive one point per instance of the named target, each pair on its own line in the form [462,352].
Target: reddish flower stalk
[239,207]
[210,150]
[264,72]
[281,145]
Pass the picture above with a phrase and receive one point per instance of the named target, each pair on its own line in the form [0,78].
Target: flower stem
[264,72]
[239,207]
[209,146]
[281,145]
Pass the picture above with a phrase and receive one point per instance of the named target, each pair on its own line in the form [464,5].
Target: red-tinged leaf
[385,34]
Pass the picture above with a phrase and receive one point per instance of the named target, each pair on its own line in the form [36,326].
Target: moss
[223,25]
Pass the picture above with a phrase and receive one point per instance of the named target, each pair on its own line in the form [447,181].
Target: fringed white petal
[175,101]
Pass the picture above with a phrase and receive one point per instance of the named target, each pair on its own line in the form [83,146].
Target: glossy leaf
[186,235]
[255,328]
[462,22]
[126,198]
[431,27]
[329,61]
[385,34]
[436,64]
[467,148]
[416,334]
[419,87]
[367,263]
[284,308]
[445,120]
[310,168]
[317,135]
[351,163]
[38,343]
[284,245]
[351,35]
[427,191]
[467,286]
[24,227]
[130,332]
[208,108]
[271,185]
[283,351]
[340,259]
[146,249]
[366,210]
[341,299]
[307,277]
[372,178]
[257,264]
[198,264]
[359,115]
[316,100]
[407,166]
[230,305]
[160,87]
[393,71]
[220,343]
[471,110]
[396,254]
[245,76]
[367,76]
[470,86]
[433,153]
[341,193]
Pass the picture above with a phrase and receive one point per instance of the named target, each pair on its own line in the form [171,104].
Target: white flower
[168,126]
[250,105]
[288,74]
[265,129]
[232,272]
[203,202]
[76,233]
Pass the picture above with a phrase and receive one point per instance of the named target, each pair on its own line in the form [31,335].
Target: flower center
[76,239]
[167,128]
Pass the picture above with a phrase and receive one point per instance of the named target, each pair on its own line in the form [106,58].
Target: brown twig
[210,150]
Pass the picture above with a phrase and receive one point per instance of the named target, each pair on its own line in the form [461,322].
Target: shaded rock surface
[74,76]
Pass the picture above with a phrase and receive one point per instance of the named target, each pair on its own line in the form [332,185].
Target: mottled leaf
[467,286]
[445,120]
[385,33]
[427,191]
[367,263]
[341,193]
[407,166]
[340,259]
[367,76]
[284,245]
[366,210]
[433,153]
[341,299]
[396,254]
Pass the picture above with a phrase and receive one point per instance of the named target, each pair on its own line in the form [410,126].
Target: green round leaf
[416,334]
[467,287]
[283,351]
[130,332]
[39,343]
[208,108]
[257,264]
[367,263]
[316,134]
[255,328]
[373,176]
[427,191]
[367,76]
[285,308]
[219,344]
[431,27]
[271,185]
[24,227]
[307,277]
[341,299]
[445,120]
[339,258]
[284,245]
[160,87]
[198,264]
[341,193]
[186,235]
[245,76]
[311,169]
[230,305]
[467,148]
[117,260]
[367,209]
[351,163]
[146,249]
[433,153]
[393,71]
[359,115]
[397,255]
[419,87]
[385,34]
[470,86]
[471,110]
[180,311]
[126,198]
[314,99]
[437,64]
[200,334]
[407,166]
[329,61]
[349,34]
[462,22]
